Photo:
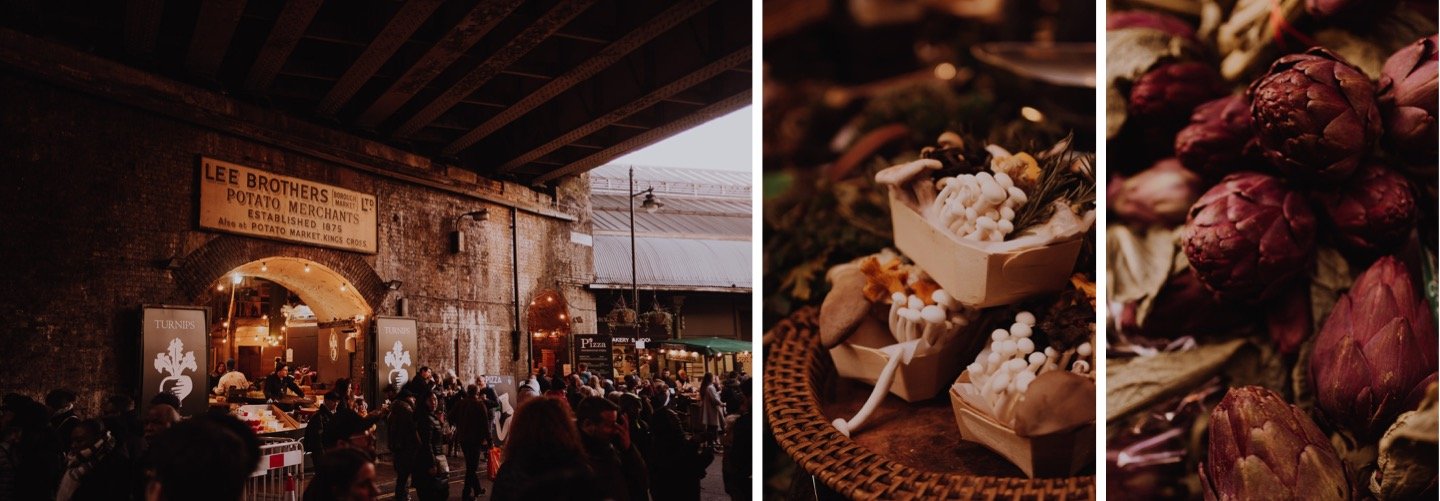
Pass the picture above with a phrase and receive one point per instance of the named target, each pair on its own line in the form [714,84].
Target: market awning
[709,346]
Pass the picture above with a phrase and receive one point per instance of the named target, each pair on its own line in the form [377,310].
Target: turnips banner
[396,351]
[176,356]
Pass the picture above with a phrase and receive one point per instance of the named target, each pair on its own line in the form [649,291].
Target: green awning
[709,346]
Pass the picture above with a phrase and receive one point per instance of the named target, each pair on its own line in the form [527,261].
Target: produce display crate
[974,275]
[798,372]
[860,358]
[1054,455]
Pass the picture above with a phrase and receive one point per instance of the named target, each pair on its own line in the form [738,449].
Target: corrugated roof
[690,217]
[615,178]
[673,263]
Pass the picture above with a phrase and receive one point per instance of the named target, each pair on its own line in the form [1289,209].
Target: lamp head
[651,204]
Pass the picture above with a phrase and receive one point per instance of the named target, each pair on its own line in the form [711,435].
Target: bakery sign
[248,201]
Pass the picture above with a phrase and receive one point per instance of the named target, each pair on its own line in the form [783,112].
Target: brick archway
[200,269]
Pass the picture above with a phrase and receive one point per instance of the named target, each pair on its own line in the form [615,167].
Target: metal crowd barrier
[281,468]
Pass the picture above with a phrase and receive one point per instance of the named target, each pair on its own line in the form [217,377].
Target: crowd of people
[577,437]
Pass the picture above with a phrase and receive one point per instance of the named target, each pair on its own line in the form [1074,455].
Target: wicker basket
[794,354]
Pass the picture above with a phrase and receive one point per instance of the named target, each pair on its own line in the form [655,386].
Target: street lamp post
[651,205]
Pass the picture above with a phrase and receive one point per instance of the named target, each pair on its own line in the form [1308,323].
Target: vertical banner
[504,387]
[593,350]
[395,350]
[175,346]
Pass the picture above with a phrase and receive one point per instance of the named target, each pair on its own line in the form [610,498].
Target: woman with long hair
[343,475]
[712,409]
[543,456]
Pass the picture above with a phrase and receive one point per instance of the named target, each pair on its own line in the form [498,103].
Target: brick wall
[99,195]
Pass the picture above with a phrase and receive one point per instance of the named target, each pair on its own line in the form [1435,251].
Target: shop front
[698,356]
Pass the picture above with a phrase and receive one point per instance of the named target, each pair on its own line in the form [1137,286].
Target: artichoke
[1314,116]
[1158,195]
[1218,140]
[1167,94]
[1372,214]
[1149,19]
[1261,447]
[1408,102]
[1183,307]
[1247,236]
[1376,347]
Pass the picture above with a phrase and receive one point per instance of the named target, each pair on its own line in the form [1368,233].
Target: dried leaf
[1406,468]
[1328,280]
[798,279]
[1246,35]
[1139,265]
[1260,366]
[1130,53]
[1138,383]
[1364,54]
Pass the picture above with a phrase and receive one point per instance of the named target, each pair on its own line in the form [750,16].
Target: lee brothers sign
[239,199]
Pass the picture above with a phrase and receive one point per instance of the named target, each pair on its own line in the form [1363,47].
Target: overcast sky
[723,144]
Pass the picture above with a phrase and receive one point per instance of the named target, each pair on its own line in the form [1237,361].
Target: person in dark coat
[616,462]
[432,482]
[124,423]
[278,382]
[404,441]
[63,417]
[38,454]
[97,466]
[315,428]
[737,468]
[471,417]
[421,385]
[678,464]
[544,458]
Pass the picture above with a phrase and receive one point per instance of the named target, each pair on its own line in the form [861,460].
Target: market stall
[697,356]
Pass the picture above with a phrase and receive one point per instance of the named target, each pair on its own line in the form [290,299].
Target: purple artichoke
[1377,345]
[1184,307]
[1149,19]
[1158,195]
[1218,140]
[1408,102]
[1261,447]
[1315,116]
[1247,236]
[1168,93]
[1373,213]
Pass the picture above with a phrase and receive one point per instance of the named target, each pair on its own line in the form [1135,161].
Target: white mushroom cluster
[911,318]
[1005,368]
[977,206]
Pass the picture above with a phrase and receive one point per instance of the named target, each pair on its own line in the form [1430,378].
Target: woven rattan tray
[798,371]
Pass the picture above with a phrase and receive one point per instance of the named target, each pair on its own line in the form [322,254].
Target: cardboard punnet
[1054,455]
[976,276]
[860,358]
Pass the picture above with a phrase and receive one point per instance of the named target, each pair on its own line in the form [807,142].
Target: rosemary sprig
[1065,174]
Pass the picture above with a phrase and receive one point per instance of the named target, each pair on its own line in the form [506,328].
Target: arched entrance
[548,318]
[294,309]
